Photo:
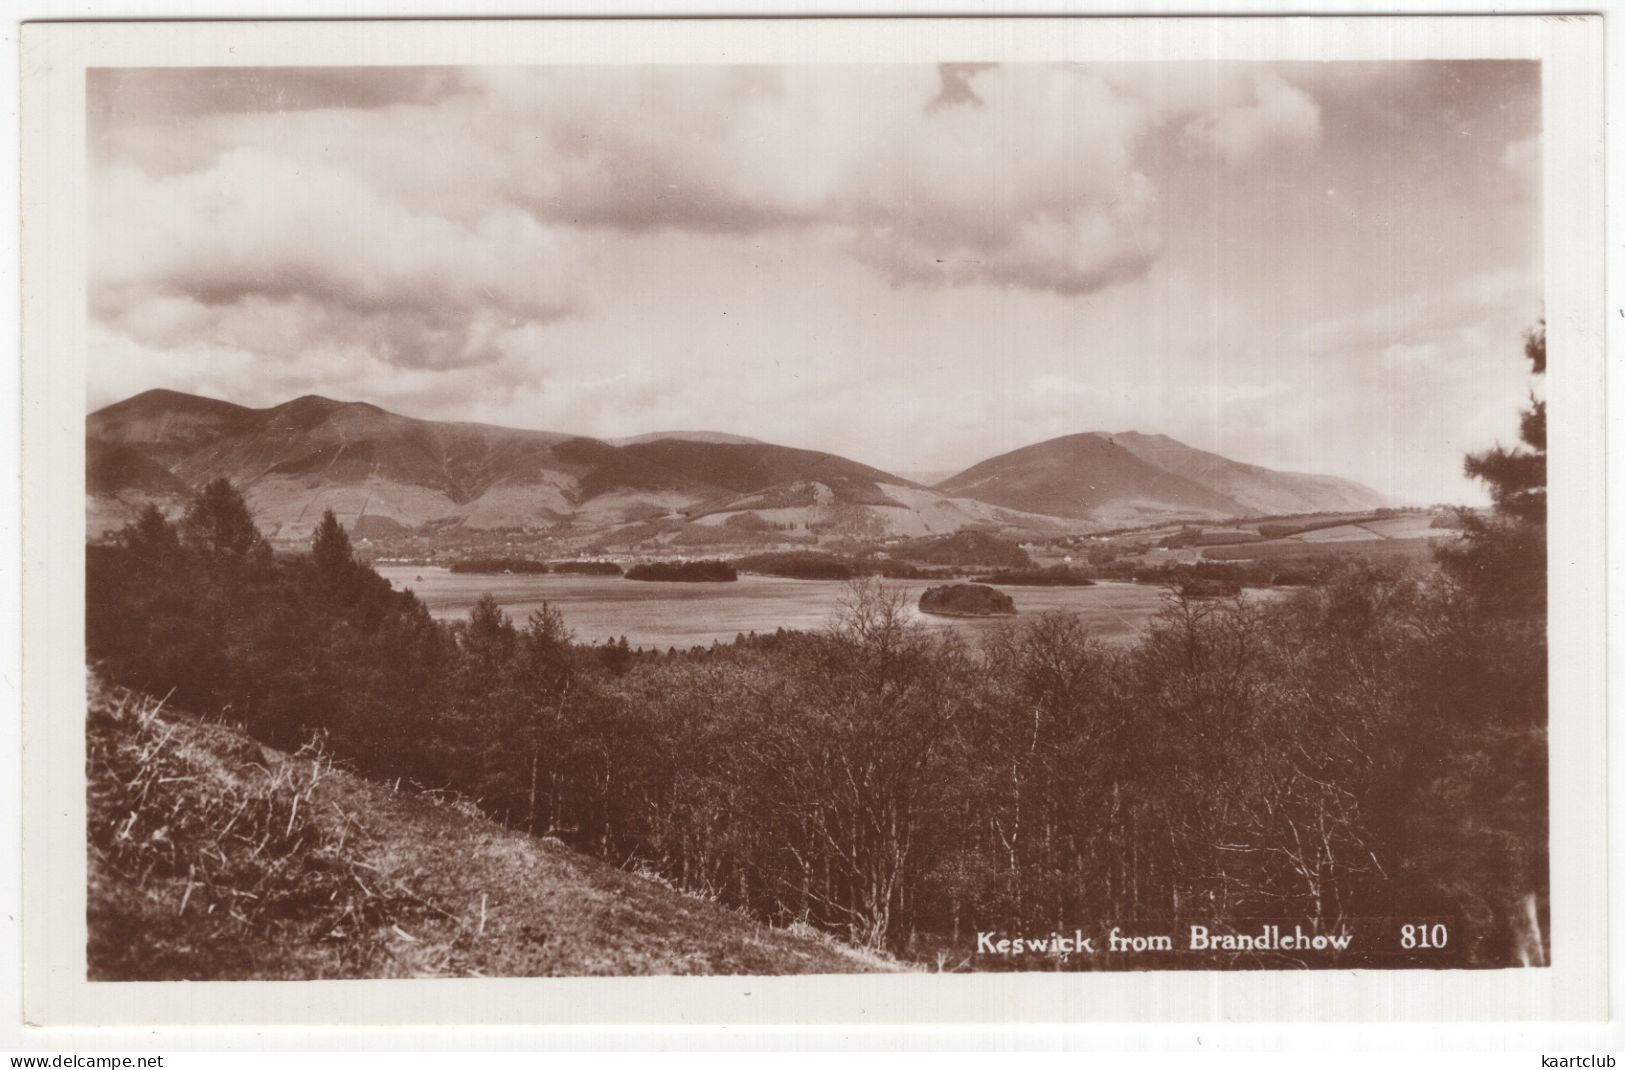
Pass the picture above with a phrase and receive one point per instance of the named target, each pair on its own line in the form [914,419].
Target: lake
[696,614]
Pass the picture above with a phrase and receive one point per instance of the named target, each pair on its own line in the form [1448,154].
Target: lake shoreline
[660,615]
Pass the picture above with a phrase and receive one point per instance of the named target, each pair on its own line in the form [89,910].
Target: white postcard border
[55,57]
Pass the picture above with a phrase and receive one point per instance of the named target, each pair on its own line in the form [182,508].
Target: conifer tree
[151,537]
[219,528]
[330,547]
[1501,561]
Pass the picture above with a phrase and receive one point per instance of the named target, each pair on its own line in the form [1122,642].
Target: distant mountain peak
[164,399]
[1123,477]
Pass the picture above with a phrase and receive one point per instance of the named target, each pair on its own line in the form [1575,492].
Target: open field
[1341,533]
[1370,546]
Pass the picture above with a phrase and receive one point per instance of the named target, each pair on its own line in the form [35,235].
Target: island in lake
[684,572]
[966,600]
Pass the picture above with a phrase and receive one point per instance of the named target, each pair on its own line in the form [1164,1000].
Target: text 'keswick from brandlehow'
[1198,938]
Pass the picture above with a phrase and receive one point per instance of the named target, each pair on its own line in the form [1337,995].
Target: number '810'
[1423,937]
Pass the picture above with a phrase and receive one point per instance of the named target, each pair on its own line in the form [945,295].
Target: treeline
[499,565]
[586,568]
[1372,747]
[684,571]
[529,566]
[1197,536]
[823,565]
[963,548]
[800,565]
[1255,573]
[1053,576]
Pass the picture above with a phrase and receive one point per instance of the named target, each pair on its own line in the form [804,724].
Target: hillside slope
[214,858]
[1085,476]
[1132,478]
[295,460]
[381,472]
[1264,491]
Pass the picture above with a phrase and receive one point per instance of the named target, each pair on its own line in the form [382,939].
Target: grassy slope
[214,858]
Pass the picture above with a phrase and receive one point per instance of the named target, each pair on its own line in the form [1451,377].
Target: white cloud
[1498,300]
[1026,178]
[1401,354]
[274,256]
[1272,111]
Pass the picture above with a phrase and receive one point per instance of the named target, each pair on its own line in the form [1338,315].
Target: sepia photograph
[933,515]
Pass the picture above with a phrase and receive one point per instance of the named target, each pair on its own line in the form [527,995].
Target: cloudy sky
[1323,267]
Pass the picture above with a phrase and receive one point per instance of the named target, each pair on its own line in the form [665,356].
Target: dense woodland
[586,568]
[823,565]
[1054,576]
[1370,750]
[489,565]
[684,572]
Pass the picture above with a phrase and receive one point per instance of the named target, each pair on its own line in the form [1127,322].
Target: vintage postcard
[1041,514]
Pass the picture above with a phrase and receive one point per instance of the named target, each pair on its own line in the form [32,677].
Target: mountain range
[382,472]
